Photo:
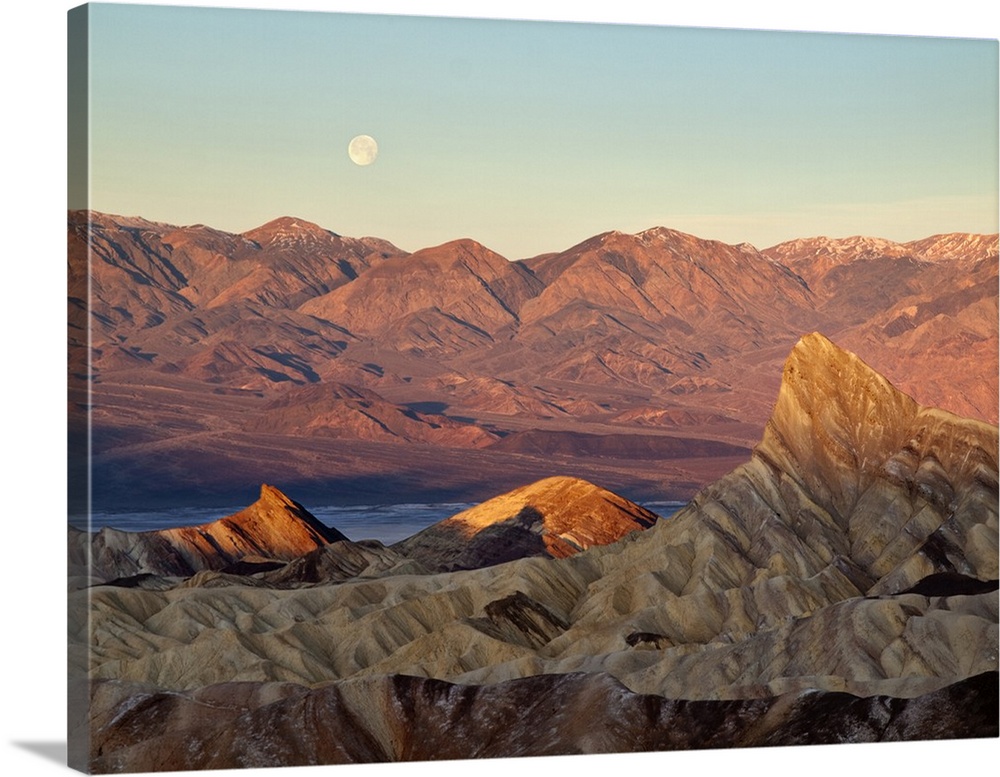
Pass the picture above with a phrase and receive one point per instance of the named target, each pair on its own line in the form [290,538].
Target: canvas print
[451,389]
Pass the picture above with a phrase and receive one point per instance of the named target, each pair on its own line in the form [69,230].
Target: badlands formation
[840,586]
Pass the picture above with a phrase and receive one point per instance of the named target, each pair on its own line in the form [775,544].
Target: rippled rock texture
[838,587]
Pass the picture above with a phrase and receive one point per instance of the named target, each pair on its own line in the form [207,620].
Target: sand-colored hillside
[853,553]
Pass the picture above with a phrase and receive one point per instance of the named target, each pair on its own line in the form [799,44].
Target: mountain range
[350,369]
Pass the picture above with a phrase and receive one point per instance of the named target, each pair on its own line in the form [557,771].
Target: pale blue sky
[531,136]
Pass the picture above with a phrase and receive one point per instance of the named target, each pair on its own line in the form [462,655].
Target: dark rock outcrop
[417,719]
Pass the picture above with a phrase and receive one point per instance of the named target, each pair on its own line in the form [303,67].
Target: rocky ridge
[416,719]
[555,517]
[276,541]
[851,555]
[273,527]
[200,337]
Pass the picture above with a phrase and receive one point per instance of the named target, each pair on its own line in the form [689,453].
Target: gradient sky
[532,136]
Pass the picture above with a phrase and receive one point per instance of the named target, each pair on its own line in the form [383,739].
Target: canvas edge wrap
[78,330]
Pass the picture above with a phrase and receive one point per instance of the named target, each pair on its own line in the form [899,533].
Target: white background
[32,477]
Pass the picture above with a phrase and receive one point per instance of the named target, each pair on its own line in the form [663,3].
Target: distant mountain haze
[212,351]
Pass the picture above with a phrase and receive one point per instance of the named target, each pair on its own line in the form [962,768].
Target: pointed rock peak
[834,414]
[273,527]
[465,250]
[595,242]
[660,233]
[827,372]
[556,517]
[655,237]
[823,381]
[272,495]
[275,514]
[287,229]
[463,245]
[831,404]
[559,504]
[685,243]
[557,483]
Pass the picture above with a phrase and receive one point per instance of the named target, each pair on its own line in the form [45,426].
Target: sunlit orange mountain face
[832,577]
[349,370]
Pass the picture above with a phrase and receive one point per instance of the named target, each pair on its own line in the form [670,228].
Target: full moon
[362,150]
